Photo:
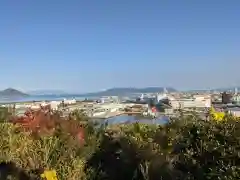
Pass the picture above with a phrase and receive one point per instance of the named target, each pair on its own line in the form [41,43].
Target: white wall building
[54,104]
[71,101]
[198,101]
[234,111]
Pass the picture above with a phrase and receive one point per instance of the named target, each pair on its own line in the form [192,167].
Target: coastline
[40,98]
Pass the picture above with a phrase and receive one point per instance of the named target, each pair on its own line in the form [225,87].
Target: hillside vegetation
[186,149]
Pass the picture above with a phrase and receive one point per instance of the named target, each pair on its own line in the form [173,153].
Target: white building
[234,111]
[161,96]
[71,101]
[54,104]
[236,98]
[236,91]
[198,101]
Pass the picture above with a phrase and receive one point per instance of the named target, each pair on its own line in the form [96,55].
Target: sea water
[127,119]
[44,98]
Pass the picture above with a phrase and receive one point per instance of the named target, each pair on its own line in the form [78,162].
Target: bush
[187,148]
[195,149]
[5,113]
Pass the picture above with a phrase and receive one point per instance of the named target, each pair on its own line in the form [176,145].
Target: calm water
[134,119]
[44,98]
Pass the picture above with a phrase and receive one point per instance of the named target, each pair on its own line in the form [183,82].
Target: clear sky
[91,45]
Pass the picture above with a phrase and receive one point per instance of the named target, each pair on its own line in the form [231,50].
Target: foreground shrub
[187,148]
[44,153]
[209,150]
[193,149]
[58,150]
[5,113]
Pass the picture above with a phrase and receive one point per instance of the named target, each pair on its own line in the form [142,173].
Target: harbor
[145,105]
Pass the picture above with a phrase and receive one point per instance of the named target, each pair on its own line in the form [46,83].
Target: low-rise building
[71,101]
[197,101]
[234,111]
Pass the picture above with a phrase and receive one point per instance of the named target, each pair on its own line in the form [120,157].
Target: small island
[10,92]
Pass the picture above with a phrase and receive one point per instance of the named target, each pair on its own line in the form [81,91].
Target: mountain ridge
[118,91]
[125,91]
[10,92]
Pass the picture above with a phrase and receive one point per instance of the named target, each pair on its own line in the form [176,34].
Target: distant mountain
[46,92]
[10,92]
[127,91]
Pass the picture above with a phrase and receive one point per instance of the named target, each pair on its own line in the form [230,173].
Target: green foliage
[78,115]
[4,114]
[184,149]
[187,148]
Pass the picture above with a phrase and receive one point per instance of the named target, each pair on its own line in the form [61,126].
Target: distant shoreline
[40,98]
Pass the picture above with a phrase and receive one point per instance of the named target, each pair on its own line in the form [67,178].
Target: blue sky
[84,46]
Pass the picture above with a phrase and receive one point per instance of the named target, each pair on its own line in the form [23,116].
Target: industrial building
[197,101]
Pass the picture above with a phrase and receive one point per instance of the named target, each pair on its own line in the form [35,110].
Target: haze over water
[43,98]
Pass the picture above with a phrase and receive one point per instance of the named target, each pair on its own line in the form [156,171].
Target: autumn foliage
[46,122]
